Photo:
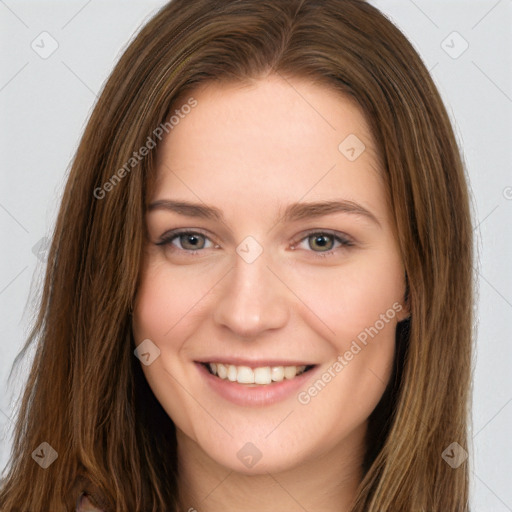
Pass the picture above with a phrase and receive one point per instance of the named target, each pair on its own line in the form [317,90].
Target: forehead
[271,140]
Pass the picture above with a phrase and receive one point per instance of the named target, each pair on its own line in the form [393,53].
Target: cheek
[349,299]
[361,305]
[166,300]
[164,313]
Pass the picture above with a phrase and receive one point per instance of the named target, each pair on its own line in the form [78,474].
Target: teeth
[232,373]
[244,374]
[220,370]
[260,375]
[277,373]
[290,372]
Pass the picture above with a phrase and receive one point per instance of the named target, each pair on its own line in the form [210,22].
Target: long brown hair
[86,395]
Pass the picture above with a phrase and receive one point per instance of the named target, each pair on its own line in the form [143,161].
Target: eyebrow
[293,212]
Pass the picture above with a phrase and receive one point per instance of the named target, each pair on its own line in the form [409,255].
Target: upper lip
[252,363]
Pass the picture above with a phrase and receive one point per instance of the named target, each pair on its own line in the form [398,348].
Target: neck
[327,481]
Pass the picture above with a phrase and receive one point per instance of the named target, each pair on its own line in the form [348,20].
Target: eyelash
[343,240]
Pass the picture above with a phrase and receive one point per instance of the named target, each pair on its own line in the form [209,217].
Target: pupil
[191,240]
[322,241]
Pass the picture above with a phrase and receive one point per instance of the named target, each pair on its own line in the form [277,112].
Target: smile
[262,375]
[254,386]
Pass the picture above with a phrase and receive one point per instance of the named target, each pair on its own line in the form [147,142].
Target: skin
[250,150]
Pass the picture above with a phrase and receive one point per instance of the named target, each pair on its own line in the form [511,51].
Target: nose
[253,300]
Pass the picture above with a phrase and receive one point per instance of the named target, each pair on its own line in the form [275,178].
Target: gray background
[45,102]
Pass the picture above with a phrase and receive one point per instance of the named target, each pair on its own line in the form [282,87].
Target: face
[242,270]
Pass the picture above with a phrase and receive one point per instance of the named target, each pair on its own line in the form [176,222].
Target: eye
[324,242]
[189,241]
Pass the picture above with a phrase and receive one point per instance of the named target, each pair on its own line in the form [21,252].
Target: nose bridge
[253,299]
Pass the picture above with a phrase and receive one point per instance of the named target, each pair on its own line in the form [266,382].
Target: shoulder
[84,504]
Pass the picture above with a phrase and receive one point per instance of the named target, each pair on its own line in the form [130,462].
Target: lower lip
[247,395]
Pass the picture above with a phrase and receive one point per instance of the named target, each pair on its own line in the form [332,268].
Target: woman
[258,295]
